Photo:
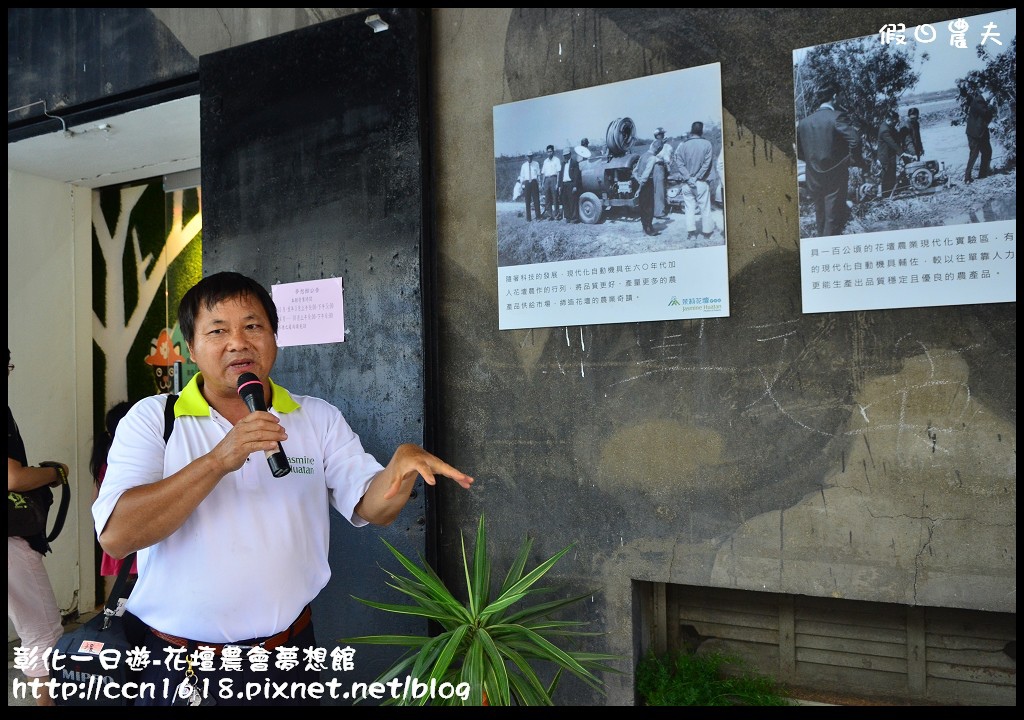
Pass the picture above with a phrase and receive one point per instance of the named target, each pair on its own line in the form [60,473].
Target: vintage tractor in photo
[913,177]
[608,178]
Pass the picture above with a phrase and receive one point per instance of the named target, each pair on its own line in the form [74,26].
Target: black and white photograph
[906,149]
[625,180]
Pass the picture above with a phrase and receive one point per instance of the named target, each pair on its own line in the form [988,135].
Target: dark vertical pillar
[314,158]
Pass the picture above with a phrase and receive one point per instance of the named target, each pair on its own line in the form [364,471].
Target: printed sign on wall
[906,147]
[611,205]
[310,312]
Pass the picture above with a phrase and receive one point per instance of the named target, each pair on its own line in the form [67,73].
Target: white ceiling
[138,145]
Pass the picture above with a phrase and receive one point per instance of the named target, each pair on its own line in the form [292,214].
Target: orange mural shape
[164,352]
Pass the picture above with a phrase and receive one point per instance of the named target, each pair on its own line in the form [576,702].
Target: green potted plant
[489,647]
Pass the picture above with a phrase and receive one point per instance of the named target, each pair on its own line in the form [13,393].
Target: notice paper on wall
[310,312]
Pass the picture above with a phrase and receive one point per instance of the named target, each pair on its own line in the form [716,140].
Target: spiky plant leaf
[490,644]
[537,646]
[526,679]
[526,615]
[479,586]
[431,582]
[515,570]
[417,610]
[414,641]
[493,661]
[534,575]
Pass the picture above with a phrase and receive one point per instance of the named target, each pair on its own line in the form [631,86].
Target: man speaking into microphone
[230,555]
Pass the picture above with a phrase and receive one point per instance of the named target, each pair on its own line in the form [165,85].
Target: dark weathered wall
[861,455]
[313,172]
[70,63]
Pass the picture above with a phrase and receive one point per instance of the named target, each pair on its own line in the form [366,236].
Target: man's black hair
[825,92]
[216,288]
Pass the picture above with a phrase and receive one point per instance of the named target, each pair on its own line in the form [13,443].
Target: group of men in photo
[555,183]
[558,180]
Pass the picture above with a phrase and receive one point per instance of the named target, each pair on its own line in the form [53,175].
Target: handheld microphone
[251,391]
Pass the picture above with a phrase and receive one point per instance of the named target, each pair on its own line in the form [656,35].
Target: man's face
[551,153]
[234,337]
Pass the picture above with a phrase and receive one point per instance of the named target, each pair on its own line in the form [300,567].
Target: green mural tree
[130,283]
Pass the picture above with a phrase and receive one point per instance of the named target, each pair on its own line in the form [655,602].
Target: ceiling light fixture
[376,23]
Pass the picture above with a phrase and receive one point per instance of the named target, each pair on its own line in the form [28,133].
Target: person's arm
[679,166]
[849,133]
[887,137]
[146,514]
[918,142]
[389,490]
[705,163]
[648,170]
[642,170]
[22,478]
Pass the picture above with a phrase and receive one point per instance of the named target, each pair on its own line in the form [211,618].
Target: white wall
[49,316]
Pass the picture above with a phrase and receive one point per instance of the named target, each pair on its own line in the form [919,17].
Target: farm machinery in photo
[607,179]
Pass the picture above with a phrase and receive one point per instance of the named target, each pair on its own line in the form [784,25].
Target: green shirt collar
[192,402]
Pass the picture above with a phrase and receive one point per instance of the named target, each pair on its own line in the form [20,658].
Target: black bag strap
[118,590]
[169,416]
[63,505]
[62,512]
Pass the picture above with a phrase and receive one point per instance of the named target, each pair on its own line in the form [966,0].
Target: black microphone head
[250,386]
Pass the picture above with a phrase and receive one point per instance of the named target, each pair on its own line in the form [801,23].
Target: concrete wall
[860,455]
[825,455]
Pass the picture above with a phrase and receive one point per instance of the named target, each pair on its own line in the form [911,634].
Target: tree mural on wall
[131,281]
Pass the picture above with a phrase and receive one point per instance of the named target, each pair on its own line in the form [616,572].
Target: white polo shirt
[254,553]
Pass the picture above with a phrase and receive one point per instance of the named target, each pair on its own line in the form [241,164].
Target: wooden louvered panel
[850,612]
[970,693]
[854,632]
[997,660]
[852,646]
[728,599]
[939,655]
[971,656]
[726,617]
[851,681]
[841,659]
[972,673]
[735,632]
[969,624]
